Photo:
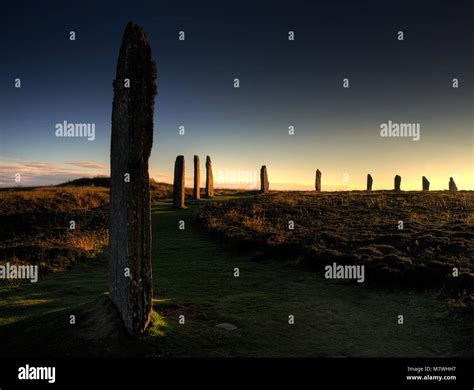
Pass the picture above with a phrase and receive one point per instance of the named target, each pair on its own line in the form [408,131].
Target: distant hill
[103,181]
[100,181]
[158,190]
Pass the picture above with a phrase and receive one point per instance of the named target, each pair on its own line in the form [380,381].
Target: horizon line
[331,187]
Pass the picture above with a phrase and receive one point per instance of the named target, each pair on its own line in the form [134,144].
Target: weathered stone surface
[452,185]
[264,184]
[209,178]
[317,183]
[178,183]
[197,178]
[397,183]
[370,181]
[425,184]
[130,277]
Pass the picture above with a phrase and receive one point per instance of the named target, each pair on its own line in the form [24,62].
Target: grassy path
[193,276]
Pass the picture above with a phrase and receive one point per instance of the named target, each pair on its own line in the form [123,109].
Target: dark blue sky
[282,83]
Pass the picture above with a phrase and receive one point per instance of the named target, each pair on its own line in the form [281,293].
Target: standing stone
[317,182]
[264,184]
[209,178]
[178,184]
[452,185]
[197,178]
[369,182]
[425,184]
[130,277]
[398,182]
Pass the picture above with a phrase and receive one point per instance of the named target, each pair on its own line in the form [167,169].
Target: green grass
[53,291]
[193,276]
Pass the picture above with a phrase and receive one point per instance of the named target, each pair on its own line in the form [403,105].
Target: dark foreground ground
[194,277]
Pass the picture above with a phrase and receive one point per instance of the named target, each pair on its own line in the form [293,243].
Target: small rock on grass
[226,326]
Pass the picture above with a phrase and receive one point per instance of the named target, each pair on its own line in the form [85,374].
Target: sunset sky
[282,83]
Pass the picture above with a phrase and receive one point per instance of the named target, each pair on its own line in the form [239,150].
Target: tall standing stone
[452,185]
[369,182]
[197,178]
[264,184]
[209,178]
[130,277]
[425,184]
[397,183]
[178,184]
[317,182]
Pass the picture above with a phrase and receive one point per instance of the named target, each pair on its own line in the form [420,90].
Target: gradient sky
[282,83]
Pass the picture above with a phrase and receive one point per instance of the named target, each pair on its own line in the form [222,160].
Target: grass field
[36,226]
[402,238]
[194,277]
[36,222]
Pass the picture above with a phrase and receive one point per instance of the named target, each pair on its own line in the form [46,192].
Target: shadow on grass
[53,291]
